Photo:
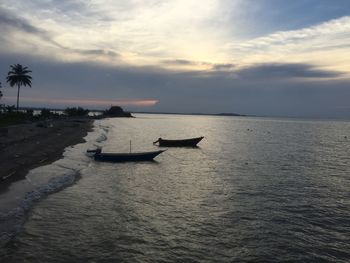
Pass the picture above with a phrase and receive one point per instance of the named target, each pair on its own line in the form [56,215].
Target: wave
[45,180]
[13,220]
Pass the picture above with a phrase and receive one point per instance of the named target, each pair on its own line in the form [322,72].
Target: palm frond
[18,75]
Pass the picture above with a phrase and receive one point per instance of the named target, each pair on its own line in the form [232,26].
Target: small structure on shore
[116,111]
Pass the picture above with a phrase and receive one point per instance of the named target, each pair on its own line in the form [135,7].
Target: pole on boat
[130,146]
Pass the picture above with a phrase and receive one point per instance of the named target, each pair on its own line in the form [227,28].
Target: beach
[33,166]
[27,146]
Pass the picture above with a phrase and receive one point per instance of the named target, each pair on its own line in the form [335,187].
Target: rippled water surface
[255,190]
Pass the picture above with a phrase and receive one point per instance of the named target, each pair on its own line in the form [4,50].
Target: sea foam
[45,180]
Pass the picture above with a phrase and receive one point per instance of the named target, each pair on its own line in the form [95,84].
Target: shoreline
[28,146]
[39,155]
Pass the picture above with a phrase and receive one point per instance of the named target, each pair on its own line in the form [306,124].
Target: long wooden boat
[179,143]
[125,157]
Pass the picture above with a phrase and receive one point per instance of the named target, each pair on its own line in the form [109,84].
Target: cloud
[186,64]
[285,71]
[258,89]
[251,19]
[151,32]
[180,62]
[224,67]
[200,64]
[324,44]
[10,21]
[338,28]
[142,32]
[94,52]
[63,10]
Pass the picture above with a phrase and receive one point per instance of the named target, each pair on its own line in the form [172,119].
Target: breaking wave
[45,180]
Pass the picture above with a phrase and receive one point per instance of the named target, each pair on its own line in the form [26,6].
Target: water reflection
[255,189]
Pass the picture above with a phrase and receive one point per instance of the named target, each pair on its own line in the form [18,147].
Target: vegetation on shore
[0,91]
[10,116]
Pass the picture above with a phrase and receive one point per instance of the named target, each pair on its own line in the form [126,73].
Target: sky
[253,57]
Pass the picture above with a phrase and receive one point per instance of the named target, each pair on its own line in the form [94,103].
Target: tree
[18,75]
[1,106]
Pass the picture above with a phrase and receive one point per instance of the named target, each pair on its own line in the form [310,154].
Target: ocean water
[255,190]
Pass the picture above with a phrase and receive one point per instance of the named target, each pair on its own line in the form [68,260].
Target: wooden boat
[124,157]
[179,143]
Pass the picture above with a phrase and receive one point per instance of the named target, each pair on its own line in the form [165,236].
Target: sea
[255,190]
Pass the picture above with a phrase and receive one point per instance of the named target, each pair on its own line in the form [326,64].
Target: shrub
[45,113]
[10,109]
[12,117]
[76,111]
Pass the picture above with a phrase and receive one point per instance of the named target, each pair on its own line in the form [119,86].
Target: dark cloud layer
[226,66]
[9,21]
[184,62]
[272,89]
[180,62]
[213,66]
[286,71]
[96,52]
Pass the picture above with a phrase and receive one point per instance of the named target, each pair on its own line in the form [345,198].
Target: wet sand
[27,146]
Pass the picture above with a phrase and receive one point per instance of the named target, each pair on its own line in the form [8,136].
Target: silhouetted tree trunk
[18,96]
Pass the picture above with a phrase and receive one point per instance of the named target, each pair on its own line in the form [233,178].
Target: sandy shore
[27,146]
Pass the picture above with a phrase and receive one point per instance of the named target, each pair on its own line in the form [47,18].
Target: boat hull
[180,143]
[126,157]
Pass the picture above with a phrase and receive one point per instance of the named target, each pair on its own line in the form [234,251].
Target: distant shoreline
[199,114]
[318,118]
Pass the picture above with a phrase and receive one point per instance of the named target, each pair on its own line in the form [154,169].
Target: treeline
[70,112]
[9,114]
[76,111]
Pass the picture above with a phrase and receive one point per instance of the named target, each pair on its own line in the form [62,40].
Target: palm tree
[18,75]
